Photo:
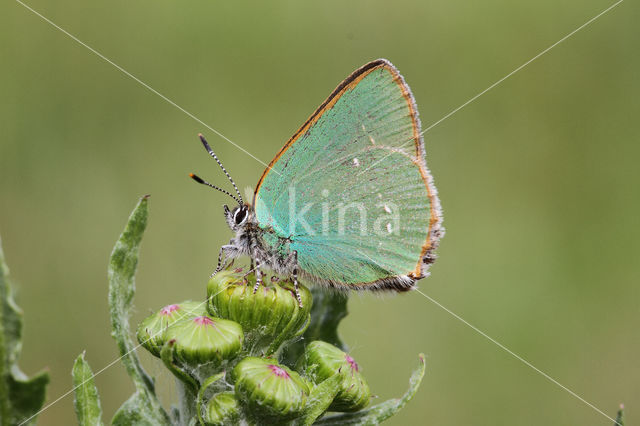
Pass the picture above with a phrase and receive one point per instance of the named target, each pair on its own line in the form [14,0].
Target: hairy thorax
[265,246]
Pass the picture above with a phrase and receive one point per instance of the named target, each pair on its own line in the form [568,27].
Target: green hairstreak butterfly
[348,202]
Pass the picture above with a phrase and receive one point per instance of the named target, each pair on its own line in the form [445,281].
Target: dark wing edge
[435,231]
[398,283]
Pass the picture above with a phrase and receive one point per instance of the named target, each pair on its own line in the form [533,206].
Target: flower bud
[322,360]
[271,391]
[205,340]
[151,332]
[221,410]
[270,316]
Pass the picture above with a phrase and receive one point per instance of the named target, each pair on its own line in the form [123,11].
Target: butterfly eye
[240,215]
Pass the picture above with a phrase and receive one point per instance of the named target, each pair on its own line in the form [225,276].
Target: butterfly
[348,202]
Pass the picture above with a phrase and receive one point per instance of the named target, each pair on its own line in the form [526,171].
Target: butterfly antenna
[204,182]
[215,157]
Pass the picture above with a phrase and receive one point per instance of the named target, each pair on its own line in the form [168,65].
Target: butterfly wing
[351,189]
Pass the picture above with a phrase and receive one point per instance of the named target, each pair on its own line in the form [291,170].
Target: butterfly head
[237,217]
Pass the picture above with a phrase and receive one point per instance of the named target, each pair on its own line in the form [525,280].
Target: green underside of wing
[348,192]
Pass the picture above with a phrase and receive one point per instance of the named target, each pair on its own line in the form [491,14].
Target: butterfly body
[348,202]
[264,246]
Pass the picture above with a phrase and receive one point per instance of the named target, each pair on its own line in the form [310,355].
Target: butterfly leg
[292,261]
[258,277]
[295,285]
[251,269]
[223,249]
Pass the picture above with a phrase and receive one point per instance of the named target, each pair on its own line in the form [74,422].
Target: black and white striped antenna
[215,157]
[204,182]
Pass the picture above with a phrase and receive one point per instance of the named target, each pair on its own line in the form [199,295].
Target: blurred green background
[539,181]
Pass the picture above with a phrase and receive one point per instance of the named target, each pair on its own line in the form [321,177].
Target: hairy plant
[238,357]
[21,397]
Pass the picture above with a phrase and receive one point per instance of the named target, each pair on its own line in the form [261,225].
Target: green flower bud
[270,316]
[272,392]
[205,340]
[151,332]
[322,360]
[221,410]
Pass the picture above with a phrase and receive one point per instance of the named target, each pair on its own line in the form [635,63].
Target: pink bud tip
[278,371]
[169,309]
[203,320]
[352,362]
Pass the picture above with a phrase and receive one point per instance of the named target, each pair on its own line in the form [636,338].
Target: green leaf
[21,398]
[320,399]
[26,396]
[143,407]
[328,309]
[200,400]
[619,417]
[87,401]
[139,410]
[380,412]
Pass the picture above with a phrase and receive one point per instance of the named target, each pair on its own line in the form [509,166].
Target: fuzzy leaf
[21,398]
[620,417]
[87,401]
[320,398]
[26,396]
[328,309]
[139,410]
[200,399]
[380,412]
[143,407]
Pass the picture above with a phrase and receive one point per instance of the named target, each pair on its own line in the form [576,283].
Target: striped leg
[258,277]
[295,285]
[292,260]
[220,254]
